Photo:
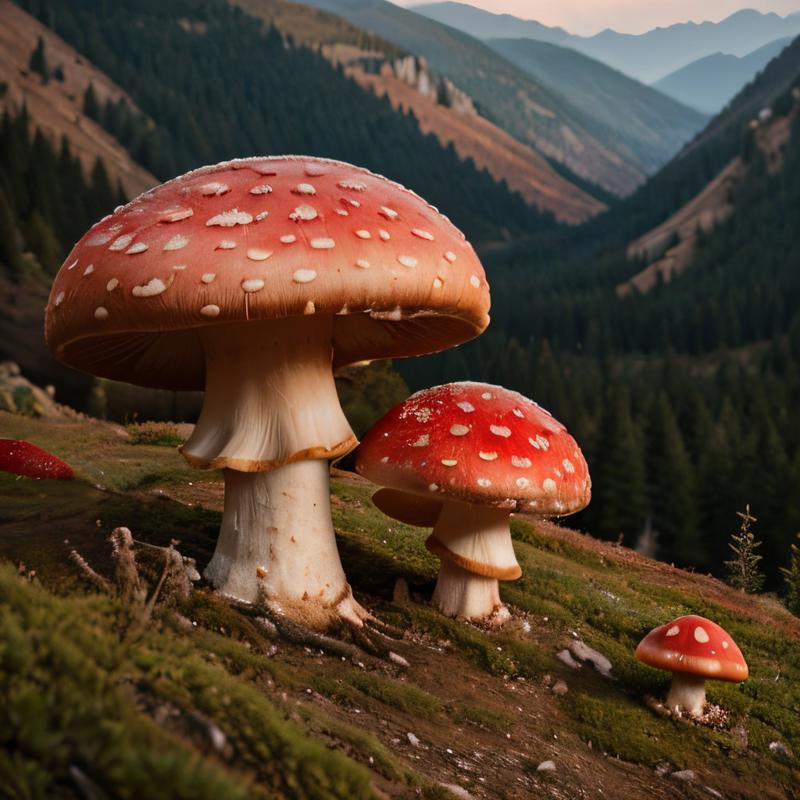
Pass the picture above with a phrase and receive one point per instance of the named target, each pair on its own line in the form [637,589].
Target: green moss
[160,434]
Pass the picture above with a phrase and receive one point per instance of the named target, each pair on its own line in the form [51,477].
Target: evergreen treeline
[684,399]
[46,201]
[220,86]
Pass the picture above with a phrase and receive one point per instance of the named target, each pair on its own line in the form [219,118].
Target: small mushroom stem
[474,545]
[277,543]
[687,693]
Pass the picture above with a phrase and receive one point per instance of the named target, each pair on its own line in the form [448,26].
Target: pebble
[780,749]
[565,657]
[546,766]
[684,775]
[414,740]
[457,791]
[560,688]
[583,652]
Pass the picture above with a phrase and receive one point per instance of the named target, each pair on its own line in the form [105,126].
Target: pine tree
[743,571]
[791,579]
[90,105]
[38,62]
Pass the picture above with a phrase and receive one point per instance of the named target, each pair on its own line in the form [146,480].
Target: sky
[627,16]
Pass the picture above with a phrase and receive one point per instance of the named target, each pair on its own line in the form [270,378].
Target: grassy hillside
[648,122]
[206,703]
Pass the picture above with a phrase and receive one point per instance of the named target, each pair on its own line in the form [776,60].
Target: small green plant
[743,571]
[791,578]
[155,433]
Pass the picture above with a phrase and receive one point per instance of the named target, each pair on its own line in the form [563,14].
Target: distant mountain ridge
[648,57]
[710,82]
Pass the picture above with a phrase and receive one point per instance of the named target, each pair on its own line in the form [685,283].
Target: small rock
[583,652]
[398,659]
[414,740]
[781,750]
[546,766]
[663,768]
[560,688]
[713,792]
[565,657]
[218,739]
[401,594]
[457,791]
[684,775]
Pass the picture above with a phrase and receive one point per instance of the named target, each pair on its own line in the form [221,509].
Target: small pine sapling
[743,571]
[791,578]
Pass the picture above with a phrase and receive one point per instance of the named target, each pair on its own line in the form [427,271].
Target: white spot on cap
[423,441]
[98,239]
[342,212]
[153,287]
[263,188]
[112,284]
[210,310]
[261,215]
[522,463]
[484,482]
[389,213]
[304,188]
[500,430]
[363,263]
[257,254]
[549,485]
[385,460]
[557,472]
[450,256]
[353,186]
[518,413]
[315,170]
[101,312]
[176,214]
[673,631]
[540,443]
[422,234]
[459,430]
[208,277]
[214,188]
[362,234]
[568,465]
[179,267]
[466,406]
[310,308]
[352,202]
[304,213]
[322,244]
[177,242]
[261,167]
[701,634]
[449,462]
[433,487]
[226,244]
[228,219]
[487,456]
[475,281]
[59,299]
[139,247]
[486,395]
[304,275]
[724,644]
[407,261]
[288,238]
[384,234]
[89,270]
[118,244]
[252,285]
[437,282]
[522,483]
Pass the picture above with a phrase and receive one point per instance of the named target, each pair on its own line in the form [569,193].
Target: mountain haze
[710,82]
[648,57]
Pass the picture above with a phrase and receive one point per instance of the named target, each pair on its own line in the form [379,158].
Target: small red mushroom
[26,459]
[693,649]
[462,457]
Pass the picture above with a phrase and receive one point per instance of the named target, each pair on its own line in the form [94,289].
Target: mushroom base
[462,594]
[270,397]
[474,545]
[687,694]
[277,546]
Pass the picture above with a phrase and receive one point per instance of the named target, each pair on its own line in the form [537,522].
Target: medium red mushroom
[462,457]
[23,458]
[253,279]
[693,649]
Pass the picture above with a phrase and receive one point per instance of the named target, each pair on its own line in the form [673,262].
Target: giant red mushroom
[694,649]
[253,279]
[461,458]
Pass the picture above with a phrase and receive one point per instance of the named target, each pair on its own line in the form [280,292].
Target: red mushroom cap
[23,458]
[695,645]
[263,238]
[478,444]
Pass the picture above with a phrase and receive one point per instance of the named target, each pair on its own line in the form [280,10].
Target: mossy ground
[303,723]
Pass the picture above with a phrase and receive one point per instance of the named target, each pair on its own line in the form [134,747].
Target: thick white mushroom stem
[277,544]
[687,693]
[474,544]
[270,397]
